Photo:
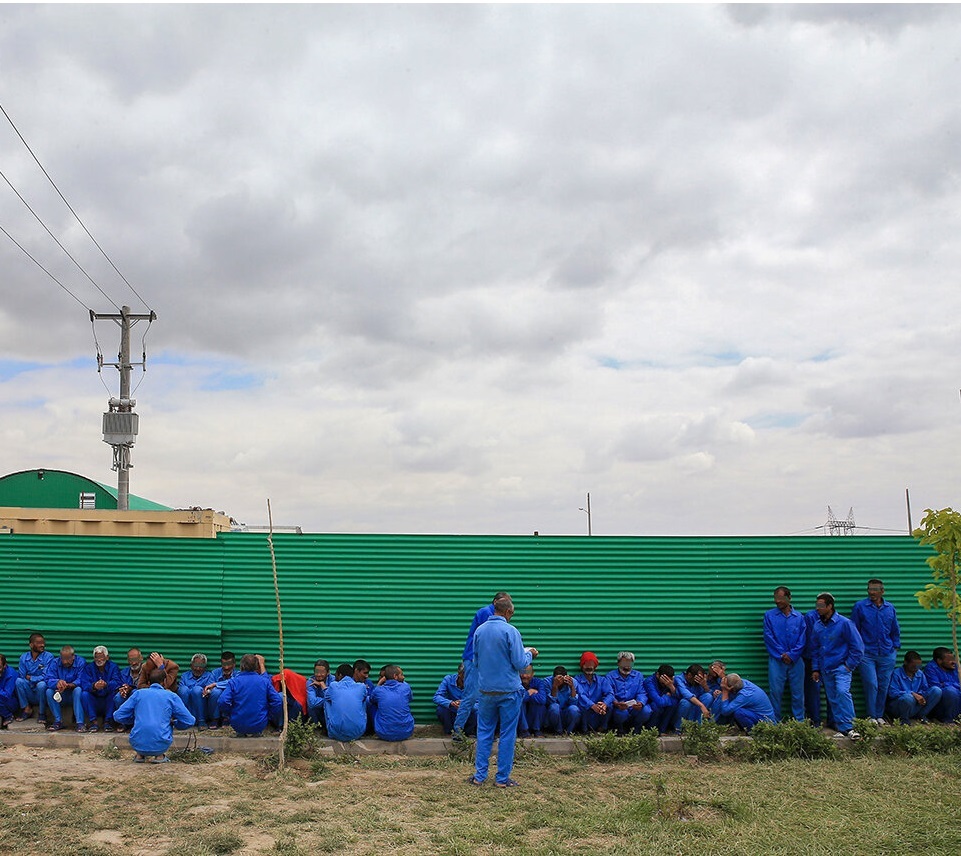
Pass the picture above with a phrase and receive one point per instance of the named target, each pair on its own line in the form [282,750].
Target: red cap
[589,657]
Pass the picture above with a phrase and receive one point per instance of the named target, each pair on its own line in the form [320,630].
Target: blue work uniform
[151,711]
[747,707]
[665,706]
[8,693]
[100,702]
[533,708]
[590,693]
[629,688]
[127,678]
[499,657]
[948,708]
[686,707]
[881,634]
[812,688]
[837,651]
[393,720]
[72,674]
[345,706]
[447,692]
[250,702]
[221,684]
[191,692]
[470,699]
[31,681]
[901,701]
[315,699]
[563,711]
[785,634]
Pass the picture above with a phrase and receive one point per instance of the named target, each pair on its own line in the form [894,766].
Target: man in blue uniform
[31,679]
[220,678]
[191,691]
[534,705]
[316,687]
[345,706]
[696,699]
[812,688]
[785,637]
[563,711]
[250,700]
[129,680]
[942,672]
[877,622]
[630,710]
[499,658]
[65,684]
[664,698]
[595,697]
[743,702]
[391,700]
[909,694]
[469,702]
[100,681]
[448,698]
[151,711]
[837,651]
[8,693]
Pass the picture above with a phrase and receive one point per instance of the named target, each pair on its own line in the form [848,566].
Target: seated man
[345,706]
[391,700]
[157,662]
[31,679]
[534,705]
[65,684]
[362,676]
[563,712]
[250,700]
[220,677]
[744,702]
[631,710]
[595,696]
[100,681]
[909,694]
[8,693]
[448,698]
[151,711]
[942,672]
[129,678]
[715,675]
[696,699]
[191,691]
[316,687]
[665,698]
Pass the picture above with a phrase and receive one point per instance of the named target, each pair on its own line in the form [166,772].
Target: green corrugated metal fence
[409,599]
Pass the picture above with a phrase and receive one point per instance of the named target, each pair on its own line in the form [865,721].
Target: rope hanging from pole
[280,629]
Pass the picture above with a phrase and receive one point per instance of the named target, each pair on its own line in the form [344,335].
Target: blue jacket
[565,696]
[878,626]
[809,618]
[785,634]
[35,670]
[938,677]
[448,691]
[110,673]
[836,644]
[189,682]
[151,710]
[628,687]
[589,694]
[499,656]
[901,684]
[481,616]
[392,717]
[315,695]
[750,697]
[219,679]
[8,686]
[345,709]
[542,687]
[658,696]
[248,700]
[57,671]
[688,692]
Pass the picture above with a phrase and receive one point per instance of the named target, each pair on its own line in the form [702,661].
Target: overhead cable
[27,254]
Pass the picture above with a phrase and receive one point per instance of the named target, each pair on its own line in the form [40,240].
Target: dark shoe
[57,726]
[94,729]
[23,717]
[474,782]
[510,783]
[523,734]
[42,723]
[109,726]
[82,729]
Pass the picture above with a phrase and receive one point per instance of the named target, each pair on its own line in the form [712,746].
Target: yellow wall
[200,523]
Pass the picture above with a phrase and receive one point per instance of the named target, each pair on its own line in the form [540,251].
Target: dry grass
[67,803]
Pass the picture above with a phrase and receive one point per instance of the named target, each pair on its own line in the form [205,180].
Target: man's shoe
[82,729]
[852,735]
[57,726]
[94,729]
[109,726]
[510,783]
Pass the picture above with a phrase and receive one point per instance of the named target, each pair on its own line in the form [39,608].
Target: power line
[27,254]
[77,216]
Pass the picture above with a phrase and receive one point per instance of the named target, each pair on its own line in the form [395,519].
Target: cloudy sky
[447,269]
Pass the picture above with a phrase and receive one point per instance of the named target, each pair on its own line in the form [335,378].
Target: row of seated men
[624,699]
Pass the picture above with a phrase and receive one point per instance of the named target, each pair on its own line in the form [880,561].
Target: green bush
[702,739]
[918,740]
[776,741]
[609,747]
[301,740]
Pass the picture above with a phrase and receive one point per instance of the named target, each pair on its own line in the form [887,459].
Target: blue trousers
[561,719]
[469,700]
[447,716]
[315,712]
[501,710]
[632,719]
[837,685]
[531,718]
[949,707]
[667,720]
[905,708]
[76,696]
[688,710]
[203,709]
[591,721]
[99,706]
[812,698]
[780,673]
[33,693]
[875,675]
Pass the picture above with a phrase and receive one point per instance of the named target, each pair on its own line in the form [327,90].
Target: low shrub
[301,739]
[644,744]
[702,739]
[776,741]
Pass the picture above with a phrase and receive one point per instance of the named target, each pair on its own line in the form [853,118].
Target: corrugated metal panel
[409,599]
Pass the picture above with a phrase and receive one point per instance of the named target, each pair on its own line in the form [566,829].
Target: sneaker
[852,735]
[879,722]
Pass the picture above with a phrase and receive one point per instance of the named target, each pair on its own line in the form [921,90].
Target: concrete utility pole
[587,511]
[121,424]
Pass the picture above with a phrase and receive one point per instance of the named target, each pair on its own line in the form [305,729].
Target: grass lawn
[63,802]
